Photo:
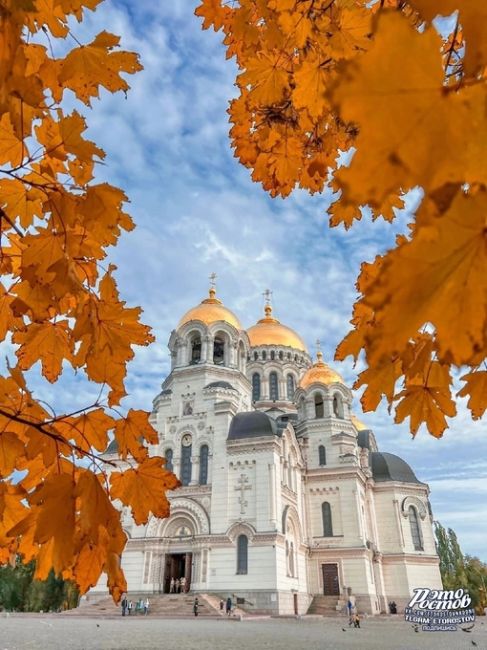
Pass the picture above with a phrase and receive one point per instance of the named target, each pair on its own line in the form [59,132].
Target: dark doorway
[295,598]
[331,586]
[177,565]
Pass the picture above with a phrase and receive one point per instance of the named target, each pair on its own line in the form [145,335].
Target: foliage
[319,77]
[20,592]
[60,305]
[458,570]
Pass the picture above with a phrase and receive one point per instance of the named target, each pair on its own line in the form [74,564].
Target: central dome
[210,311]
[320,373]
[269,331]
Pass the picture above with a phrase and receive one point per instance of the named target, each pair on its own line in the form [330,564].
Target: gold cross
[213,280]
[267,295]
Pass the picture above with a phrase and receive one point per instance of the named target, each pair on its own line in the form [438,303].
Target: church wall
[223,575]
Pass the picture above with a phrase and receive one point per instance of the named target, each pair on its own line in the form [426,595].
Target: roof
[211,310]
[389,467]
[252,424]
[220,384]
[269,331]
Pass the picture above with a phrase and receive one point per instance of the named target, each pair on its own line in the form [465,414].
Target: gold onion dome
[210,311]
[358,424]
[269,331]
[320,373]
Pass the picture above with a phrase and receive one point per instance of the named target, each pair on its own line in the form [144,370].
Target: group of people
[177,586]
[140,606]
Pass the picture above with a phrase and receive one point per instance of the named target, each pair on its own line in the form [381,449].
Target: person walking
[129,607]
[124,605]
[177,585]
[183,584]
[146,607]
[195,607]
[171,586]
[222,605]
[350,608]
[229,606]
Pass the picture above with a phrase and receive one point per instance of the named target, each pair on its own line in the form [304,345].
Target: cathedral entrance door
[177,565]
[331,586]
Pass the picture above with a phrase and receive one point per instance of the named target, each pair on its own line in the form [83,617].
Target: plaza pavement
[54,632]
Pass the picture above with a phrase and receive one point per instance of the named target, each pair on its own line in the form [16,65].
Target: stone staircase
[324,605]
[161,606]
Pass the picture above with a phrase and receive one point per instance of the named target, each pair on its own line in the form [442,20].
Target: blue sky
[197,211]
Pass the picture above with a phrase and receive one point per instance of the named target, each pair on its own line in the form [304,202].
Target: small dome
[269,331]
[320,373]
[358,424]
[252,424]
[389,467]
[210,311]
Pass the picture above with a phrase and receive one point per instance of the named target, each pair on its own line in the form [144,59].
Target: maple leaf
[48,342]
[12,149]
[213,14]
[143,488]
[11,449]
[476,389]
[130,431]
[311,80]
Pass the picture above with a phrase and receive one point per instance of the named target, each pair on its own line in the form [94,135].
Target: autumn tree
[60,306]
[376,79]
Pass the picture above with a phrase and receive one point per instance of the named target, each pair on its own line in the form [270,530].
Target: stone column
[176,464]
[195,470]
[272,495]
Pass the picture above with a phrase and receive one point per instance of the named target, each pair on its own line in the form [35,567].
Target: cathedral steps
[324,606]
[161,606]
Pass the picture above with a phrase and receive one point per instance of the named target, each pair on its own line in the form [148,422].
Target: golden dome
[269,331]
[210,311]
[320,373]
[358,424]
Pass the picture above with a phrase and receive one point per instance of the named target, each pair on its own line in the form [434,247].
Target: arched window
[319,406]
[242,554]
[338,406]
[415,529]
[203,464]
[290,386]
[255,387]
[273,355]
[273,386]
[256,356]
[168,454]
[322,455]
[327,523]
[289,356]
[218,351]
[281,356]
[195,349]
[186,465]
[264,355]
[296,358]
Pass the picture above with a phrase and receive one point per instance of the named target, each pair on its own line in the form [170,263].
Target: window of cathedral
[203,465]
[256,356]
[264,355]
[322,455]
[289,356]
[168,455]
[327,522]
[415,529]
[218,351]
[186,465]
[255,387]
[242,554]
[289,472]
[338,406]
[273,386]
[273,355]
[296,358]
[319,406]
[281,355]
[291,387]
[195,349]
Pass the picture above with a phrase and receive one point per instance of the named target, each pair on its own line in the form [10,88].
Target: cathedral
[286,501]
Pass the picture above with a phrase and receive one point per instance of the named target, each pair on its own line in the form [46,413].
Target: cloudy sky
[197,212]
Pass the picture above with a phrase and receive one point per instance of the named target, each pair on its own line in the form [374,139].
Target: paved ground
[56,633]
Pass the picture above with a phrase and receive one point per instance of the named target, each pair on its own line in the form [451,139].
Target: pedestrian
[177,585]
[171,587]
[129,607]
[356,620]
[124,605]
[350,608]
[195,607]
[229,606]
[183,584]
[146,607]
[222,605]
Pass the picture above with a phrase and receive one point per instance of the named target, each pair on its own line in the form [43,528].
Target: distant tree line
[459,570]
[19,591]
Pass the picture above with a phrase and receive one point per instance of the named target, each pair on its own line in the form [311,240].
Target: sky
[197,212]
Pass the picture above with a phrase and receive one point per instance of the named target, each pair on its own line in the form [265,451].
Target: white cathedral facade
[285,497]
